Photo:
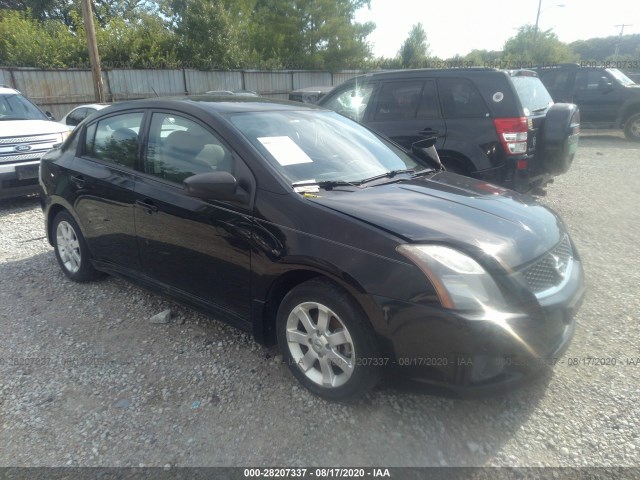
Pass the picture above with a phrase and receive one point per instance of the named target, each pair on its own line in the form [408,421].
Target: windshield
[308,146]
[620,77]
[533,94]
[17,107]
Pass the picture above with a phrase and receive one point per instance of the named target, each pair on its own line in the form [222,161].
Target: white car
[75,116]
[26,133]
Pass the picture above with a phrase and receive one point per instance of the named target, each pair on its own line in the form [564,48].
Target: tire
[632,128]
[336,361]
[71,249]
[559,139]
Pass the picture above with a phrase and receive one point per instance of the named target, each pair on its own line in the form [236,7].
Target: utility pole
[615,55]
[94,57]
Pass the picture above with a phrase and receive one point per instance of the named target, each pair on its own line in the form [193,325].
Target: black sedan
[294,223]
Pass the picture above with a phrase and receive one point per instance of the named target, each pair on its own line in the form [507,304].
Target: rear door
[198,248]
[103,183]
[407,111]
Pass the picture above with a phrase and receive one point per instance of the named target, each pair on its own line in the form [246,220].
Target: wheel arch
[265,312]
[629,112]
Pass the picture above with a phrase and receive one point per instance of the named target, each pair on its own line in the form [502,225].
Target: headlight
[64,136]
[460,281]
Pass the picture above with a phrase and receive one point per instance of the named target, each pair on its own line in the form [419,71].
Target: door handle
[147,205]
[428,131]
[78,181]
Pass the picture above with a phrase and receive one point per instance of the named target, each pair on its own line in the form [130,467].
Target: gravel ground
[87,380]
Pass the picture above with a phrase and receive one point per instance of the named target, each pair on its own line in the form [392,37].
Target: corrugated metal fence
[58,91]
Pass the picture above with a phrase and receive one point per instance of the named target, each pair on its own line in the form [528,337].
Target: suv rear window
[532,93]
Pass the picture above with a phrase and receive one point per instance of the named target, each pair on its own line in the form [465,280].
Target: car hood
[460,211]
[20,128]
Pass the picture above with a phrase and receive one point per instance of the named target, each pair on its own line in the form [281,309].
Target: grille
[551,270]
[35,139]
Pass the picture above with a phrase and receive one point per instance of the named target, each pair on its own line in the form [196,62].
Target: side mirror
[212,186]
[605,84]
[426,150]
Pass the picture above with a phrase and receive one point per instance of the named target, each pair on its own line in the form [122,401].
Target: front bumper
[467,353]
[19,180]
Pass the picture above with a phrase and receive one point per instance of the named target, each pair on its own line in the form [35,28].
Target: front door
[406,112]
[199,248]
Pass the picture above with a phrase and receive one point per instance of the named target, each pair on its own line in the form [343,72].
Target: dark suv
[607,97]
[495,125]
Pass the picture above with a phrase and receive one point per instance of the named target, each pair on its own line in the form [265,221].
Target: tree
[600,49]
[207,34]
[414,52]
[544,48]
[309,33]
[27,42]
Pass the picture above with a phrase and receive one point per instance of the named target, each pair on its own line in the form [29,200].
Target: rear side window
[533,95]
[115,139]
[460,98]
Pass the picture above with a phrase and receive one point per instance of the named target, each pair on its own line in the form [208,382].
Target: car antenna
[153,90]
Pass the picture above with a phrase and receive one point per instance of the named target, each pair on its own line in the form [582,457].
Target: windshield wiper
[423,172]
[12,118]
[326,184]
[390,174]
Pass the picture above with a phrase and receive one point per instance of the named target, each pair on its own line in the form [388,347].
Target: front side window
[115,139]
[352,102]
[179,148]
[76,117]
[590,79]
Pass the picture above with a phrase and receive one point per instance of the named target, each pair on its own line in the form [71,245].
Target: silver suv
[26,133]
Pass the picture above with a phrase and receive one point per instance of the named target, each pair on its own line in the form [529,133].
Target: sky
[459,26]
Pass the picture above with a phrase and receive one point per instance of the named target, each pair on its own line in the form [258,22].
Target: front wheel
[327,341]
[71,249]
[632,128]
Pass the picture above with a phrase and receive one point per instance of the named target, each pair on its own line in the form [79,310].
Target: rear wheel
[327,341]
[632,128]
[71,249]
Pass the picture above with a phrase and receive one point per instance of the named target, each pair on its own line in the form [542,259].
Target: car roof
[92,105]
[8,91]
[221,104]
[430,72]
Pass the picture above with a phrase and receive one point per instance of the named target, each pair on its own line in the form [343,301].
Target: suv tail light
[513,133]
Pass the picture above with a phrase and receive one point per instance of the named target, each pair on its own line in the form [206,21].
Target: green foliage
[601,49]
[30,43]
[537,48]
[308,33]
[414,52]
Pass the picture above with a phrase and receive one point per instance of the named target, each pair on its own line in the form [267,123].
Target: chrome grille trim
[550,273]
[21,158]
[49,137]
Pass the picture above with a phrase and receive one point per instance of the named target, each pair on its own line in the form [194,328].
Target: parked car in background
[607,97]
[494,125]
[307,229]
[26,133]
[75,116]
[309,94]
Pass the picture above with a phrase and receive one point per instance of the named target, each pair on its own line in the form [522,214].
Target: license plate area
[27,172]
